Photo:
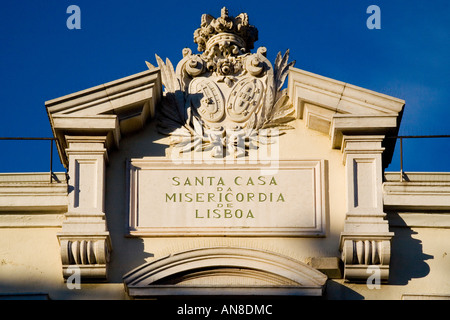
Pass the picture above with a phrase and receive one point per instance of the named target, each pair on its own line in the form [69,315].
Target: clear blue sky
[41,59]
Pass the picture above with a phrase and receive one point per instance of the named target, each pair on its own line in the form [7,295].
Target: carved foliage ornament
[225,93]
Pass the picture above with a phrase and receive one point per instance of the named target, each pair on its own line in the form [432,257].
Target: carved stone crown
[225,29]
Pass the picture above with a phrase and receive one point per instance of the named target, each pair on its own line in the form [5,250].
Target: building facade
[226,175]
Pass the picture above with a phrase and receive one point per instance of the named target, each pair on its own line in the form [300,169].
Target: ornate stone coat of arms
[226,98]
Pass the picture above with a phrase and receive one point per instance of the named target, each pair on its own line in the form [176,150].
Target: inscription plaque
[168,199]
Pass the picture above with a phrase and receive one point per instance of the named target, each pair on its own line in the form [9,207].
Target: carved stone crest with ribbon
[222,98]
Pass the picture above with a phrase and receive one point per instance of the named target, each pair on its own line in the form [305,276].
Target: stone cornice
[422,191]
[338,96]
[344,124]
[337,108]
[111,97]
[111,109]
[29,200]
[26,192]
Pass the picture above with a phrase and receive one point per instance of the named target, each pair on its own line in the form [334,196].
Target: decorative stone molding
[224,271]
[337,108]
[420,190]
[31,192]
[366,252]
[90,253]
[361,252]
[366,238]
[84,252]
[338,97]
[31,200]
[362,160]
[112,109]
[421,200]
[302,180]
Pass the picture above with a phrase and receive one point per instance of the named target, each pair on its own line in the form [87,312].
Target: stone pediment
[112,109]
[125,106]
[226,91]
[221,271]
[337,108]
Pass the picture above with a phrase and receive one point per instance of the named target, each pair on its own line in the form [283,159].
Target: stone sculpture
[223,98]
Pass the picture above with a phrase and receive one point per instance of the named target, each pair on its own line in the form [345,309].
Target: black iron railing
[39,139]
[400,138]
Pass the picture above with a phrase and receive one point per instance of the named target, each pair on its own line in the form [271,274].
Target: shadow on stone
[407,258]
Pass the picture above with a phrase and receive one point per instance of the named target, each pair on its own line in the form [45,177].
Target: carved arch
[224,271]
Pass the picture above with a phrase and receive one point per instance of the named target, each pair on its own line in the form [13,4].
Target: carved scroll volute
[254,65]
[195,66]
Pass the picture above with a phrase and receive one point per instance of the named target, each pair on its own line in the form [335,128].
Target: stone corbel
[89,253]
[362,253]
[365,241]
[84,237]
